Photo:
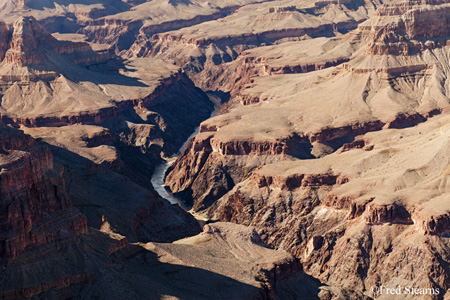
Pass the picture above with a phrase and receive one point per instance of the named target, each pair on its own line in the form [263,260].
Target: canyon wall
[35,208]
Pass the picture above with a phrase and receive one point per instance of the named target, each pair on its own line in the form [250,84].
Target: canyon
[319,169]
[336,154]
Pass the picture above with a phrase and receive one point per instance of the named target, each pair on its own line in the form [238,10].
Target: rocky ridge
[28,53]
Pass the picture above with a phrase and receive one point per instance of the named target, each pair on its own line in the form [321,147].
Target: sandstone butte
[323,173]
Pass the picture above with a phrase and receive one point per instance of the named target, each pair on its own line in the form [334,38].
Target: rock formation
[407,28]
[205,49]
[28,38]
[35,209]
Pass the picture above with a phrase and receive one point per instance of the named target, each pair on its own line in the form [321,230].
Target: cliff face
[27,38]
[27,43]
[409,28]
[4,32]
[34,208]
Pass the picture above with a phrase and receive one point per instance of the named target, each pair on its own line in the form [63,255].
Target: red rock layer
[112,32]
[436,225]
[4,32]
[201,173]
[34,207]
[299,180]
[35,290]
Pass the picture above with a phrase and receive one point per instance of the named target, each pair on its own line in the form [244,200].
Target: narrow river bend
[159,174]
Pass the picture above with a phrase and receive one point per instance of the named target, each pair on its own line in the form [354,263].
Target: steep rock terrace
[35,209]
[408,28]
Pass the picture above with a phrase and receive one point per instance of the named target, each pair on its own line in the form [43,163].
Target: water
[160,174]
[160,171]
[158,183]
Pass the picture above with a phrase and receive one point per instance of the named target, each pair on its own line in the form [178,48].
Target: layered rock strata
[35,208]
[341,164]
[30,54]
[206,49]
[408,28]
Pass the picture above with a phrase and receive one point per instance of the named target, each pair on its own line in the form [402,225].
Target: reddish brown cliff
[4,32]
[34,206]
[28,38]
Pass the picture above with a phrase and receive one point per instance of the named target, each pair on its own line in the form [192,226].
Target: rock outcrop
[35,209]
[28,38]
[28,41]
[274,273]
[407,28]
[30,54]
[4,35]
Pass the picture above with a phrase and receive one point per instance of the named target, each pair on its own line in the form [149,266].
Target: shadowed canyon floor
[323,174]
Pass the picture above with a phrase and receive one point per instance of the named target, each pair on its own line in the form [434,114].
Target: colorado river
[160,171]
[160,174]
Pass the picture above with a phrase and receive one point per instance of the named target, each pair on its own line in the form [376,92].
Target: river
[160,171]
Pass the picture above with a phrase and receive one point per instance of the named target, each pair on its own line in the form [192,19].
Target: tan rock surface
[206,50]
[50,82]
